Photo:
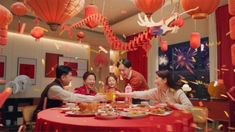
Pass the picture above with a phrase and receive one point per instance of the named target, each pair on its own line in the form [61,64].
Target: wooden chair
[200,115]
[27,112]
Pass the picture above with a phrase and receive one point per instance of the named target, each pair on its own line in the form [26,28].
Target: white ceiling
[122,14]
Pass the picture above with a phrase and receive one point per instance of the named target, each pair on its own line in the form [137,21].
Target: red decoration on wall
[2,69]
[233,54]
[100,60]
[148,6]
[231,7]
[6,18]
[73,66]
[52,61]
[195,40]
[27,69]
[206,7]
[232,27]
[89,10]
[55,12]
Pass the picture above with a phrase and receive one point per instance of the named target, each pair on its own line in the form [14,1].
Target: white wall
[25,46]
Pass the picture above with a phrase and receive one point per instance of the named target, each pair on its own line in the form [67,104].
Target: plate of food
[106,115]
[164,111]
[79,113]
[134,114]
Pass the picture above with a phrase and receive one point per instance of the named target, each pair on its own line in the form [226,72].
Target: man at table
[132,77]
[54,94]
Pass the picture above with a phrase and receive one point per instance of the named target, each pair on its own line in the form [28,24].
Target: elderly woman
[88,87]
[166,92]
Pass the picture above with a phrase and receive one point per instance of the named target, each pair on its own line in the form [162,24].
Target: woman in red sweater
[88,88]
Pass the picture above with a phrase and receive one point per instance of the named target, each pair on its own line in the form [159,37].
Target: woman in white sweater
[166,92]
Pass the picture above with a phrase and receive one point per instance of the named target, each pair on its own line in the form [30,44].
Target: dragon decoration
[171,24]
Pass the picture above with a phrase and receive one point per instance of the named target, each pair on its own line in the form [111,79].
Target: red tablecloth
[53,120]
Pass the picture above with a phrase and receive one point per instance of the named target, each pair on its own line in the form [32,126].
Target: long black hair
[165,74]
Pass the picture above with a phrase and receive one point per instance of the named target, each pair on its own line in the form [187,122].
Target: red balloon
[90,10]
[231,7]
[195,40]
[163,46]
[232,27]
[233,54]
[149,6]
[206,7]
[18,8]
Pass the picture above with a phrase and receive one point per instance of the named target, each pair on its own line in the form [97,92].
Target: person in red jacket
[88,88]
[132,77]
[111,85]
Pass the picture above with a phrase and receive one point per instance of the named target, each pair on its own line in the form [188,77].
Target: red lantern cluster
[90,10]
[55,12]
[195,40]
[6,18]
[148,6]
[163,45]
[206,7]
[232,27]
[231,7]
[233,54]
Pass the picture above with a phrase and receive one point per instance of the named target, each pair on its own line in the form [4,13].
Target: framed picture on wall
[78,66]
[3,60]
[52,61]
[27,66]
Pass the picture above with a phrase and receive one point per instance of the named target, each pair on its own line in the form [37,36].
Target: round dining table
[54,120]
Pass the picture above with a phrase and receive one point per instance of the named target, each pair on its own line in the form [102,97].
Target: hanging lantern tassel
[231,7]
[195,40]
[233,54]
[232,28]
[163,45]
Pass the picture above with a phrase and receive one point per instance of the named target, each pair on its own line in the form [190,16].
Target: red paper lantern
[231,7]
[163,46]
[90,10]
[233,54]
[195,40]
[19,9]
[148,6]
[80,35]
[37,32]
[206,7]
[232,27]
[55,12]
[4,95]
[6,18]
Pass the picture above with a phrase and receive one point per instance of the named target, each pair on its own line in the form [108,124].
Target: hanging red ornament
[163,45]
[148,6]
[232,27]
[19,9]
[231,7]
[90,10]
[100,60]
[233,54]
[206,7]
[6,18]
[195,40]
[178,22]
[55,12]
[38,32]
[80,35]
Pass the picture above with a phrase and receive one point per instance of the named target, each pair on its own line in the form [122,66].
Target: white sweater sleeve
[184,102]
[56,92]
[147,94]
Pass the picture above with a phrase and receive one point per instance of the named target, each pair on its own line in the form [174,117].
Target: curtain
[225,67]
